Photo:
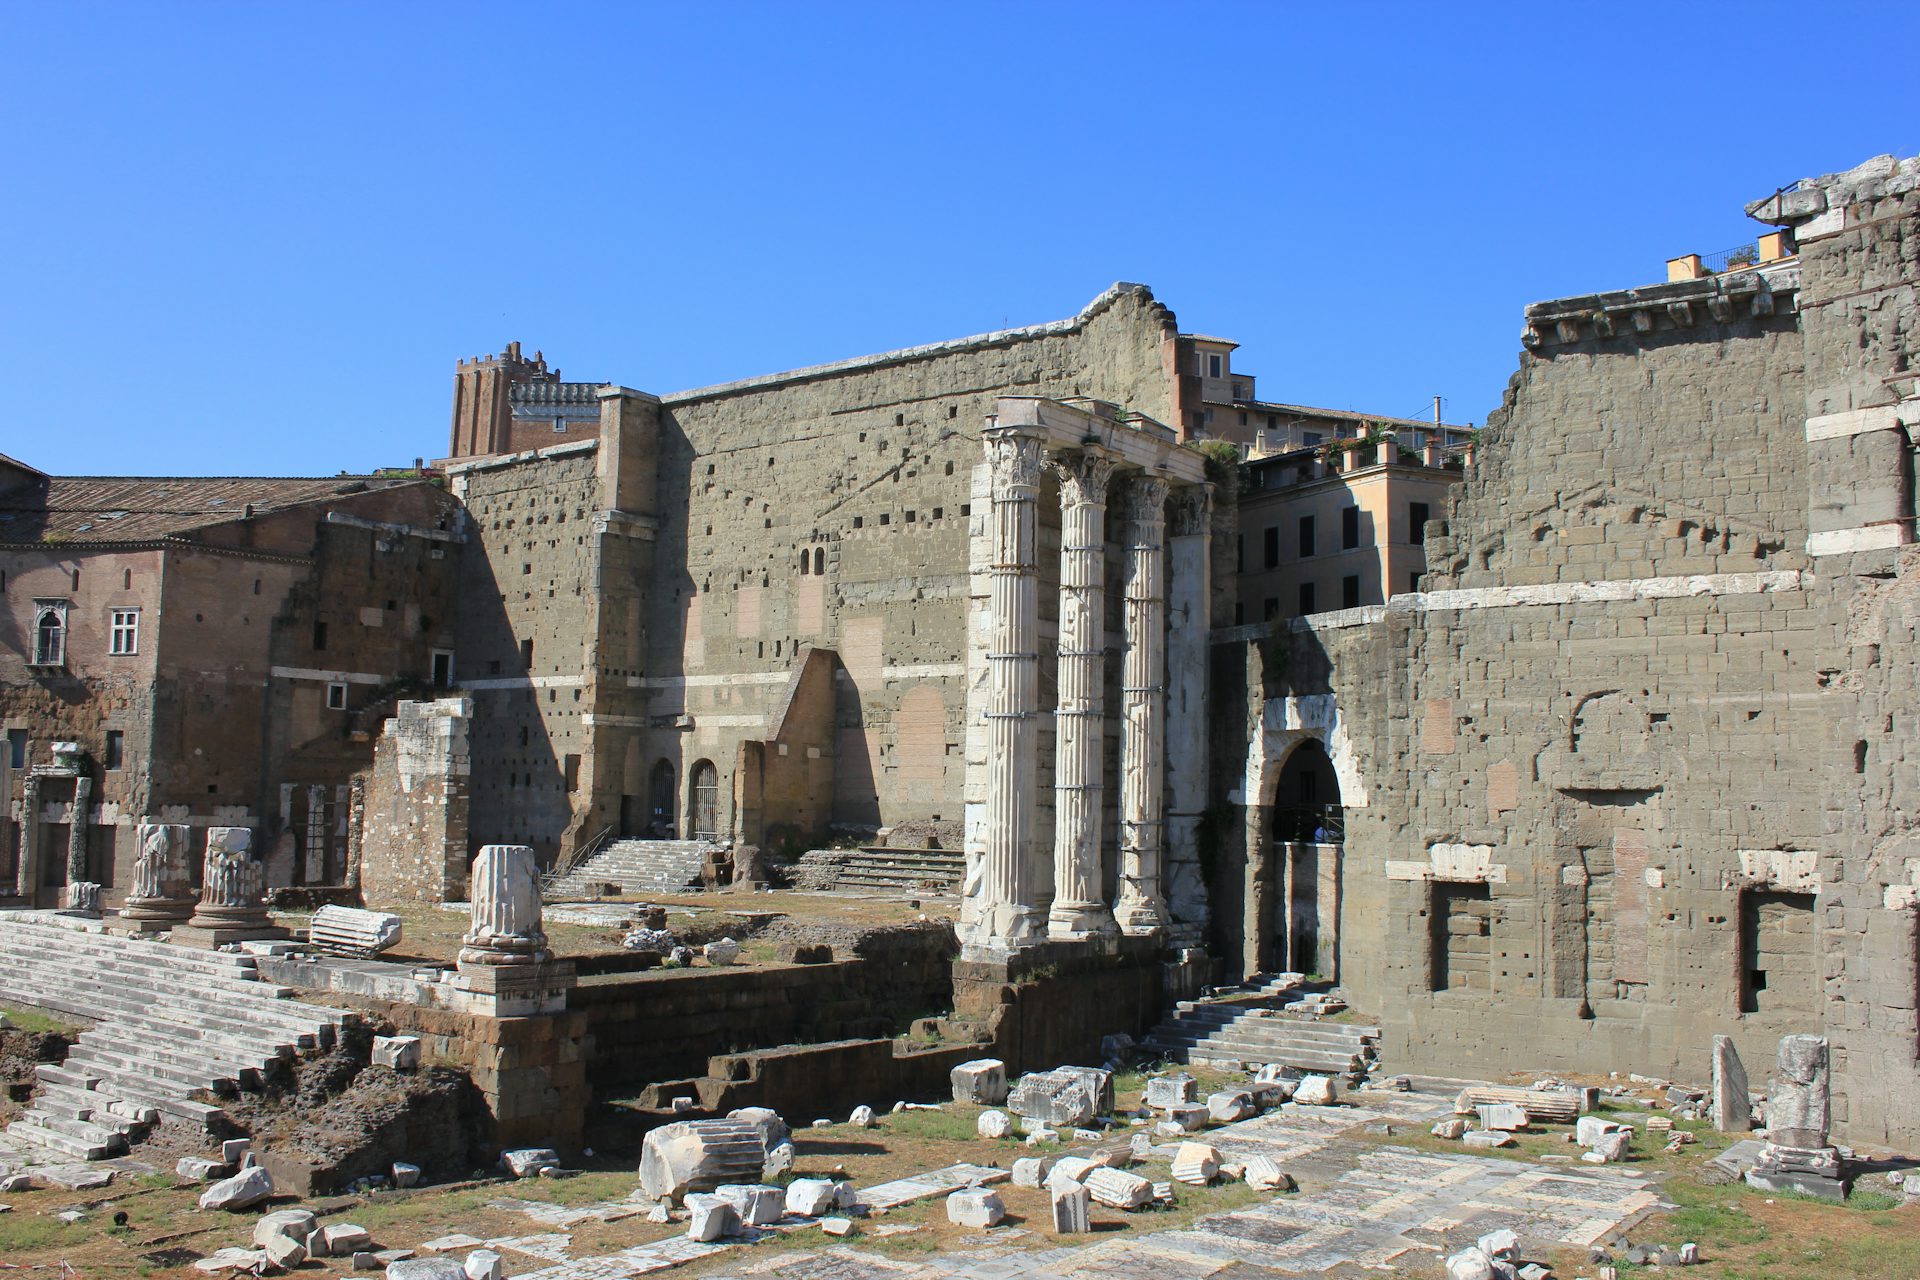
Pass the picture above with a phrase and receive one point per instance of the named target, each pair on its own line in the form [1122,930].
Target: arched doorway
[1309,828]
[703,817]
[660,789]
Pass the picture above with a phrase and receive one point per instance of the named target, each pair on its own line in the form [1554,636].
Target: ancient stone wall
[1633,759]
[827,507]
[412,825]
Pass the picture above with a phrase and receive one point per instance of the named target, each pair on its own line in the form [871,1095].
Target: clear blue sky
[255,237]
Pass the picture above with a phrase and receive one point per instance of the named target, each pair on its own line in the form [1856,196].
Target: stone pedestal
[162,895]
[233,895]
[506,970]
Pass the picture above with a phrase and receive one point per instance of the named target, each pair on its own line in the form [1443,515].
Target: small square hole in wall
[886,518]
[336,696]
[966,509]
[858,522]
[911,515]
[938,512]
[953,411]
[899,419]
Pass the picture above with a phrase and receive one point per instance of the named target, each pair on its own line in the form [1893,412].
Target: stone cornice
[1680,305]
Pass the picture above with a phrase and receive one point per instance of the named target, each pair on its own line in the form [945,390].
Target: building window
[1306,598]
[1350,591]
[1306,536]
[1417,517]
[1271,608]
[1239,612]
[443,668]
[1349,528]
[1413,581]
[806,563]
[1240,393]
[1213,366]
[50,633]
[526,654]
[336,696]
[116,755]
[820,555]
[319,636]
[17,748]
[1312,439]
[124,638]
[1239,553]
[570,767]
[1272,546]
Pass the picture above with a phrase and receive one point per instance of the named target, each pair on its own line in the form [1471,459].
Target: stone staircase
[170,1023]
[637,866]
[1248,1028]
[881,870]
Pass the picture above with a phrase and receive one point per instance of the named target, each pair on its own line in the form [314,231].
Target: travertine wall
[414,810]
[1634,762]
[865,467]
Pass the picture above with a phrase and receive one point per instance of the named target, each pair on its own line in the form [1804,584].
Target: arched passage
[703,802]
[660,788]
[1308,829]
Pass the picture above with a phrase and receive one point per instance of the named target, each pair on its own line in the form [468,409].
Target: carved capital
[1015,456]
[1192,509]
[1146,499]
[1084,477]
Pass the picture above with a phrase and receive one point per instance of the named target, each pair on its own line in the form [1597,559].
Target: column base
[212,938]
[1140,915]
[1006,927]
[1078,921]
[513,991]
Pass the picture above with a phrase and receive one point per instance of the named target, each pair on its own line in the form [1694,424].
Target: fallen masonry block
[1229,1105]
[1546,1106]
[1262,1174]
[242,1191]
[975,1207]
[837,1226]
[1031,1171]
[809,1197]
[294,1224]
[1503,1115]
[1072,1209]
[1052,1098]
[1196,1164]
[984,1081]
[1470,1264]
[527,1162]
[862,1117]
[773,1130]
[196,1168]
[699,1155]
[1119,1189]
[1502,1245]
[1190,1116]
[1488,1138]
[758,1206]
[353,931]
[484,1264]
[424,1269]
[342,1240]
[1167,1091]
[1452,1129]
[711,1218]
[1316,1091]
[993,1124]
[1590,1129]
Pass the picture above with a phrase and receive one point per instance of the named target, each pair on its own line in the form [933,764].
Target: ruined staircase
[170,1023]
[881,870]
[1250,1028]
[637,866]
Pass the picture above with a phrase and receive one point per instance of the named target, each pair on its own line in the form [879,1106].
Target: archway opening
[1309,828]
[703,816]
[660,787]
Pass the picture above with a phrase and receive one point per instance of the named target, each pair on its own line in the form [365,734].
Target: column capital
[1192,509]
[1085,476]
[1015,455]
[1146,498]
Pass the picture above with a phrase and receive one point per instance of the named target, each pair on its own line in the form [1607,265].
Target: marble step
[47,984]
[37,1143]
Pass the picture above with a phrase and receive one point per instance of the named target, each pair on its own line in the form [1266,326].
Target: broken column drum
[162,884]
[1079,908]
[233,887]
[505,928]
[1009,916]
[1141,908]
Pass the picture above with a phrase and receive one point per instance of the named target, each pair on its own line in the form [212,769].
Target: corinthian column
[1006,915]
[77,830]
[1079,911]
[1141,909]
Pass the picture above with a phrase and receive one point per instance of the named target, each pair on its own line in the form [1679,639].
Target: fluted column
[1079,909]
[1007,916]
[505,926]
[1142,908]
[233,887]
[162,884]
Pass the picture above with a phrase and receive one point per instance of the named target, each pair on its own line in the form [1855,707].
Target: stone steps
[904,871]
[637,866]
[1244,1030]
[168,1023]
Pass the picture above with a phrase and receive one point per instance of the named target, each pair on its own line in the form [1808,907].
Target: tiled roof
[145,508]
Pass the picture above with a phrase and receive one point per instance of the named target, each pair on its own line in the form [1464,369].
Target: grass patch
[952,1124]
[39,1023]
[20,1232]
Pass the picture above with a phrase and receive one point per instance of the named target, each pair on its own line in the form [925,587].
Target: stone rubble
[982,1081]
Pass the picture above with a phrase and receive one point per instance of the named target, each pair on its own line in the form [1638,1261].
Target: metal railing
[573,861]
[1310,824]
[1737,258]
